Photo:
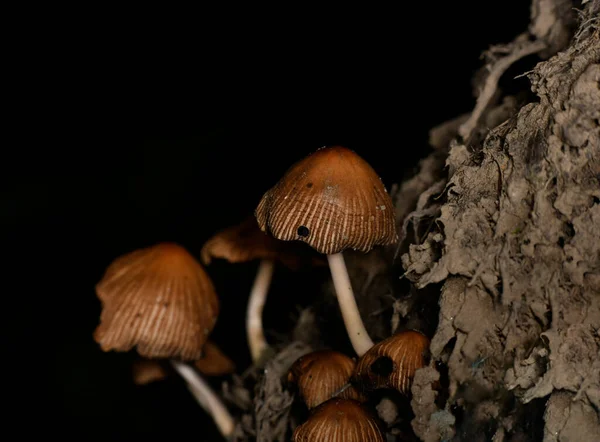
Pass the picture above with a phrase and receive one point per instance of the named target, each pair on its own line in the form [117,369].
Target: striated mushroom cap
[331,200]
[246,242]
[158,299]
[321,374]
[339,420]
[392,362]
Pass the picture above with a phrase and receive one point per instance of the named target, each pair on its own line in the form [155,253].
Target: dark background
[175,136]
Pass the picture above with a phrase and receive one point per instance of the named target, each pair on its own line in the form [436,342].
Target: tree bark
[516,249]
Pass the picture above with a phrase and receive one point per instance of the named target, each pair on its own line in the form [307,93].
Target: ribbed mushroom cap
[339,420]
[213,361]
[392,362]
[332,200]
[159,299]
[247,242]
[321,374]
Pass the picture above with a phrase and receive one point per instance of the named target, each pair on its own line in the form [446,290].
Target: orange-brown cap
[213,361]
[392,362]
[339,420]
[246,242]
[332,200]
[319,375]
[159,299]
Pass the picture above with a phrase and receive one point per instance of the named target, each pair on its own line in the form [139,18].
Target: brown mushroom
[392,362]
[321,375]
[160,300]
[340,420]
[246,242]
[332,200]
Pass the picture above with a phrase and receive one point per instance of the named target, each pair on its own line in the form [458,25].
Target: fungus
[332,200]
[162,302]
[339,420]
[246,242]
[392,362]
[321,375]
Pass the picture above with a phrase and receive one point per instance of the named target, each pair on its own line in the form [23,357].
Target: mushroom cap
[332,200]
[247,242]
[213,361]
[319,375]
[392,362]
[158,299]
[339,420]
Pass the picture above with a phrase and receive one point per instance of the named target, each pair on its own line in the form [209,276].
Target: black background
[167,135]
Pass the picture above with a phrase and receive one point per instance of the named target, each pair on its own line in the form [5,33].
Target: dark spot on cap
[383,366]
[303,231]
[309,185]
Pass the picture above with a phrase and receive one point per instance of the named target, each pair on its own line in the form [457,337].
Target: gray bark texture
[515,248]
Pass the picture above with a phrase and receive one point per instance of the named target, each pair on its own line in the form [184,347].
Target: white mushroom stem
[207,398]
[256,303]
[343,288]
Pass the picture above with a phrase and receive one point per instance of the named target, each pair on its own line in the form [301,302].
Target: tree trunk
[515,249]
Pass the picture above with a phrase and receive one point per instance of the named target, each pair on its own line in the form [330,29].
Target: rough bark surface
[517,250]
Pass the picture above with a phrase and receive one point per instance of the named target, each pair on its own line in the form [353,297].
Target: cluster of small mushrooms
[162,301]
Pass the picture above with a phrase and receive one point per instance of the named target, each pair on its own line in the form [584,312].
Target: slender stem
[207,398]
[354,326]
[258,295]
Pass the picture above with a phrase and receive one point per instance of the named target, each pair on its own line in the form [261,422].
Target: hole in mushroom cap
[303,231]
[383,366]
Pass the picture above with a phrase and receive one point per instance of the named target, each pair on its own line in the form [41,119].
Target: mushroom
[160,300]
[339,420]
[246,242]
[332,200]
[320,375]
[392,362]
[212,363]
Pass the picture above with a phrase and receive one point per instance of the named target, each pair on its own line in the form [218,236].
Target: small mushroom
[246,242]
[212,363]
[332,200]
[392,362]
[162,302]
[340,420]
[321,375]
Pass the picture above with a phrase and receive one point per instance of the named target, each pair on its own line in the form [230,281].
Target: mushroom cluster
[161,301]
[336,389]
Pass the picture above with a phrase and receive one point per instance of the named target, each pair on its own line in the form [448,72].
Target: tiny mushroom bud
[392,362]
[322,375]
[212,363]
[332,200]
[340,420]
[146,371]
[246,242]
[160,300]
